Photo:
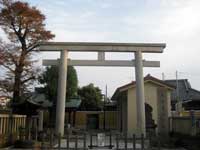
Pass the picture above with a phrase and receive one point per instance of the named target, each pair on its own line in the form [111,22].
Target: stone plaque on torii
[101,48]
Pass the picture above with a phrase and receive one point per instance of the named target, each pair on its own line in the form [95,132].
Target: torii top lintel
[102,47]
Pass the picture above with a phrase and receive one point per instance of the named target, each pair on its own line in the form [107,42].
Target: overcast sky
[174,22]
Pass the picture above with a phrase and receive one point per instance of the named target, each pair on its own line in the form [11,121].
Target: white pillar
[62,83]
[140,99]
[40,122]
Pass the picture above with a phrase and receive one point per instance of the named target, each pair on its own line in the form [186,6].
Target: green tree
[72,82]
[91,97]
[50,80]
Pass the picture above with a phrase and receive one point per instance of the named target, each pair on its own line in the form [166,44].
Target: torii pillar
[62,83]
[140,98]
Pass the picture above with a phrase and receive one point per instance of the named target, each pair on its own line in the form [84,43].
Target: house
[157,106]
[31,103]
[71,108]
[90,119]
[189,97]
[185,102]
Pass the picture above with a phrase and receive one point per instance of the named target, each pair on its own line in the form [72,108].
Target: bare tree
[24,26]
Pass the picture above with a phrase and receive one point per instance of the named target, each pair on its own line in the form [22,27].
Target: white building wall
[151,97]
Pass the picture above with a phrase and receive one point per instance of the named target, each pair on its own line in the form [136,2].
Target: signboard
[101,139]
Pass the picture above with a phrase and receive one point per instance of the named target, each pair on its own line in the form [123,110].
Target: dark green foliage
[50,79]
[72,82]
[91,97]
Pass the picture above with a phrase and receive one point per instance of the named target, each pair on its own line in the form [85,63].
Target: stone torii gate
[101,48]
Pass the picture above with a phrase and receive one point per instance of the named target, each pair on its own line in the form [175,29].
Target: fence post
[20,134]
[110,140]
[42,144]
[36,133]
[76,142]
[67,140]
[134,142]
[117,142]
[84,141]
[159,145]
[150,140]
[91,146]
[125,142]
[59,141]
[142,141]
[29,127]
[51,140]
[10,126]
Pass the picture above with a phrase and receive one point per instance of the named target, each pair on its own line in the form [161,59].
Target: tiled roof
[185,91]
[147,78]
[73,103]
[39,99]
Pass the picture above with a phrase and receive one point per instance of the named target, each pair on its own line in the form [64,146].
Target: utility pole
[179,105]
[177,87]
[104,111]
[163,76]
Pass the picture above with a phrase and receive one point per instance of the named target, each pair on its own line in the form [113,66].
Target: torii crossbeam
[101,48]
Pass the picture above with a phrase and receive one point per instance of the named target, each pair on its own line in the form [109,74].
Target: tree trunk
[18,73]
[16,90]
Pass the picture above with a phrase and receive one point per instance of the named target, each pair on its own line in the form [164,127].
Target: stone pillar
[1,125]
[4,124]
[40,123]
[62,83]
[140,99]
[69,118]
[74,118]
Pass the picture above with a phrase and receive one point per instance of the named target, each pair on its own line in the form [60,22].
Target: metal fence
[89,140]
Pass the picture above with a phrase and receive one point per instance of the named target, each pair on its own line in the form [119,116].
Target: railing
[11,124]
[89,140]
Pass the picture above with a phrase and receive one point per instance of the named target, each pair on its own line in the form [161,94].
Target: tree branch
[28,79]
[8,67]
[13,59]
[31,47]
[25,32]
